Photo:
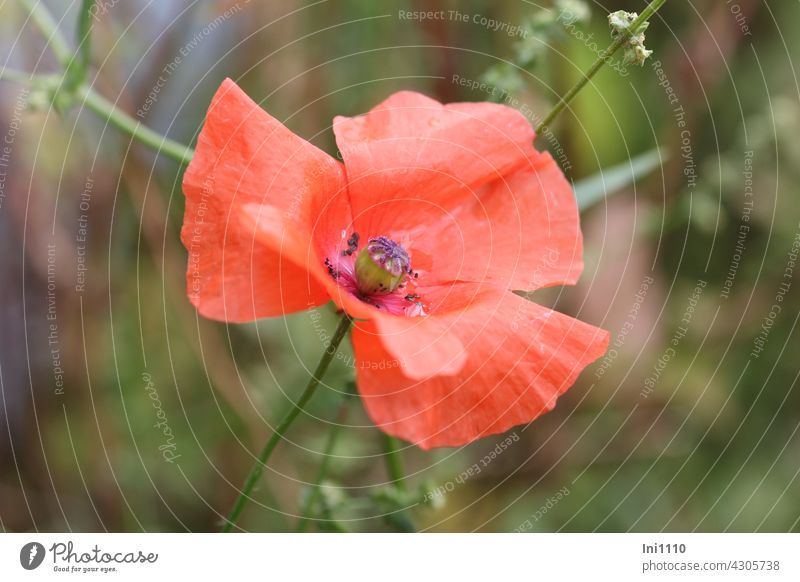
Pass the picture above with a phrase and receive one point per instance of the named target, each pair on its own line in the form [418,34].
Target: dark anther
[352,245]
[331,271]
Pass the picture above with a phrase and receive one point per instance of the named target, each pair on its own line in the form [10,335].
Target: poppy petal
[255,195]
[520,358]
[411,158]
[521,231]
[420,346]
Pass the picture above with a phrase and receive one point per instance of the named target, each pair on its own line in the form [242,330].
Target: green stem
[42,18]
[107,111]
[18,77]
[161,144]
[400,520]
[314,494]
[266,452]
[94,101]
[394,462]
[604,57]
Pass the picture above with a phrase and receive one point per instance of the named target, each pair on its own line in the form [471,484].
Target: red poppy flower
[437,213]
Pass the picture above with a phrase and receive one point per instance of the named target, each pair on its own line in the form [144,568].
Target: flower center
[381,266]
[380,275]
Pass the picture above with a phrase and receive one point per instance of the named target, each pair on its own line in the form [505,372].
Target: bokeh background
[689,423]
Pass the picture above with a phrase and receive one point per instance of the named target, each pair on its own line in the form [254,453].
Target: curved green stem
[107,111]
[266,452]
[16,76]
[394,462]
[400,520]
[604,57]
[75,65]
[314,494]
[55,40]
[161,144]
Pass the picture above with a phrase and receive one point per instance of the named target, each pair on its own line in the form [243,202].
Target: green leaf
[609,181]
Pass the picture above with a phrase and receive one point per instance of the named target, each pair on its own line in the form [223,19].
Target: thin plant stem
[269,447]
[400,520]
[394,462]
[16,76]
[93,100]
[604,57]
[161,144]
[49,28]
[324,467]
[107,111]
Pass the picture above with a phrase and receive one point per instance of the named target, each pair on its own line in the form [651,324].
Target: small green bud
[638,54]
[40,100]
[620,20]
[634,49]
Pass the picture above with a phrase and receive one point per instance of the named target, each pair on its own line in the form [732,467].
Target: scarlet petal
[411,158]
[256,194]
[419,346]
[521,231]
[520,357]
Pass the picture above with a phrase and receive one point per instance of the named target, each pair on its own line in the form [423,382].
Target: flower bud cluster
[634,49]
